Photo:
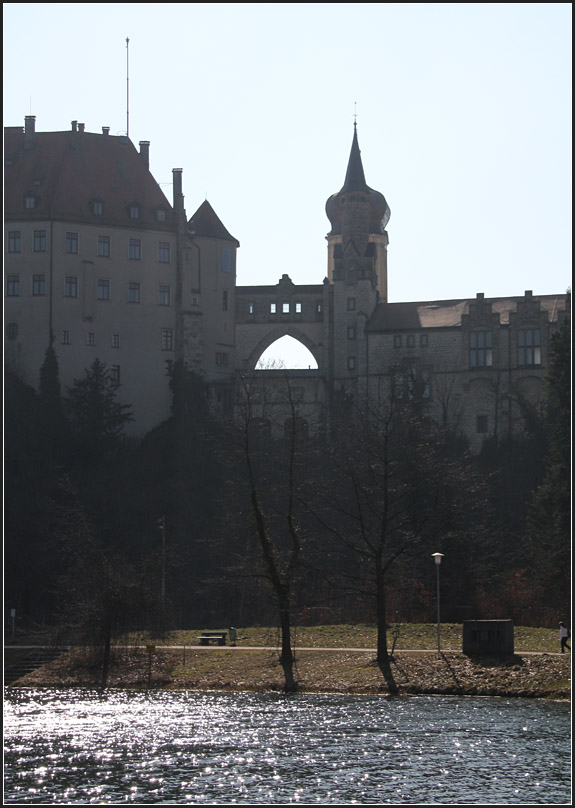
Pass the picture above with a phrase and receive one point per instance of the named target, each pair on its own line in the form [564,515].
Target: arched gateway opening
[287,353]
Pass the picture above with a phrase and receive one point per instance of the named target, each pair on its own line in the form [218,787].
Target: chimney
[81,127]
[29,131]
[178,197]
[145,152]
[105,130]
[29,125]
[74,126]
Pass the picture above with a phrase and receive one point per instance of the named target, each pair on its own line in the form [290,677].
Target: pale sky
[463,115]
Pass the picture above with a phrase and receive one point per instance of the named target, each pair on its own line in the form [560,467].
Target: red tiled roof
[448,313]
[67,171]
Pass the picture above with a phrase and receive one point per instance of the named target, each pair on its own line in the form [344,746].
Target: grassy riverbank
[541,674]
[407,636]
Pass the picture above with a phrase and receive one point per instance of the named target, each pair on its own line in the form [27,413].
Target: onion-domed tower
[358,240]
[357,268]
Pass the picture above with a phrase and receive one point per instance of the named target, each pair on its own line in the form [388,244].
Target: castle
[99,264]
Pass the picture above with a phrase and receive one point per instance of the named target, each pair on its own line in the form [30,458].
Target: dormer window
[97,207]
[160,215]
[30,202]
[134,211]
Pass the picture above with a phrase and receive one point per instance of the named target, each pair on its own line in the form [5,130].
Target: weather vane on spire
[355,114]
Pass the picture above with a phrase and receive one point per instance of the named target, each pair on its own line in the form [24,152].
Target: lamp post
[438,557]
[162,526]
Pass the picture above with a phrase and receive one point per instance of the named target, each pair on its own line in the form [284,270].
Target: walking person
[564,635]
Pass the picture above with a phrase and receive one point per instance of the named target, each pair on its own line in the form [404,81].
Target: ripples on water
[78,747]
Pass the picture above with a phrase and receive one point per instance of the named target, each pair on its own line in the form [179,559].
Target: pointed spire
[355,177]
[354,183]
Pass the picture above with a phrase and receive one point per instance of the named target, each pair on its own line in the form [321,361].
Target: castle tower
[357,268]
[358,216]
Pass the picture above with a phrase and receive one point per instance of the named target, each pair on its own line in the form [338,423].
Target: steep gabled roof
[67,171]
[205,222]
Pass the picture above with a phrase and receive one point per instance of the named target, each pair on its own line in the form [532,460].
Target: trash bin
[233,636]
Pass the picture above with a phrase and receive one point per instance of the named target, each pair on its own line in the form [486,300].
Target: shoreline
[334,671]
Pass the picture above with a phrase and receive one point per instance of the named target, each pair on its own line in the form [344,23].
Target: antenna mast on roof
[127,87]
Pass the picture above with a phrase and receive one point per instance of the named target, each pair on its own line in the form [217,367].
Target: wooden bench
[218,637]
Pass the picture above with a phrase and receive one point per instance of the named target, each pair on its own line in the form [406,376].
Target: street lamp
[438,557]
[162,526]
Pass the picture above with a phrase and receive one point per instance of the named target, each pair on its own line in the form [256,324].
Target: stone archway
[288,353]
[277,333]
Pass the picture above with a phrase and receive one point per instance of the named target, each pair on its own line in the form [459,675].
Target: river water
[81,747]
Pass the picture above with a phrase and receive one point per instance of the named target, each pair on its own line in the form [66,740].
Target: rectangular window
[98,208]
[226,259]
[14,241]
[12,330]
[39,241]
[13,286]
[164,252]
[160,215]
[351,362]
[351,304]
[273,308]
[65,340]
[30,202]
[251,307]
[221,359]
[225,300]
[133,293]
[71,286]
[91,339]
[72,243]
[167,339]
[424,340]
[529,347]
[285,308]
[103,289]
[397,341]
[115,374]
[481,424]
[103,246]
[163,295]
[298,308]
[38,285]
[410,341]
[480,349]
[135,249]
[351,332]
[318,307]
[115,340]
[134,212]
[169,366]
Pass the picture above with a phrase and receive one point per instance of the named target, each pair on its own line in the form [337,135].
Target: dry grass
[419,636]
[540,675]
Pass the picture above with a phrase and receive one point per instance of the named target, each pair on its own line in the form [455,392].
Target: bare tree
[387,494]
[272,477]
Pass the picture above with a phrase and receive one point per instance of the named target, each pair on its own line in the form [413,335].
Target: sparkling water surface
[79,747]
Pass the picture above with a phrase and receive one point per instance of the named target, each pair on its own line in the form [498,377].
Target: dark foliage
[96,418]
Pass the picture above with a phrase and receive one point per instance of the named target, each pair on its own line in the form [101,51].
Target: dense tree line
[211,523]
